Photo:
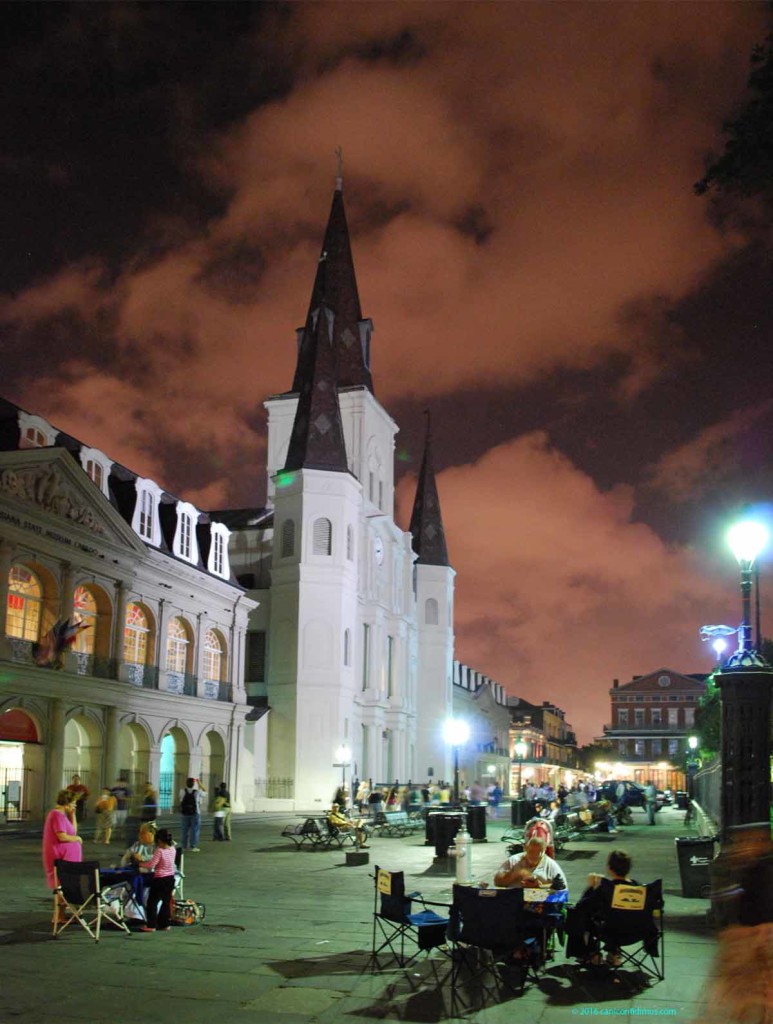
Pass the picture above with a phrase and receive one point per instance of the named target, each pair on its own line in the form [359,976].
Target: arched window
[350,542]
[24,596]
[213,656]
[85,609]
[135,635]
[347,647]
[323,537]
[33,438]
[430,612]
[177,643]
[94,470]
[288,538]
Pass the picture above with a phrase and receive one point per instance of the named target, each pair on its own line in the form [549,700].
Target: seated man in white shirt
[532,869]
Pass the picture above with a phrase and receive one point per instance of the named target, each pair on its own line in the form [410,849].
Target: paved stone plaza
[287,935]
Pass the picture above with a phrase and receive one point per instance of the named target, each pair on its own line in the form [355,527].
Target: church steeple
[335,285]
[429,539]
[317,438]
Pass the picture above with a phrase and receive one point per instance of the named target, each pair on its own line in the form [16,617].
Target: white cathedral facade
[354,618]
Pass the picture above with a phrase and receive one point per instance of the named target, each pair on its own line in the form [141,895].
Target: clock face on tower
[378,550]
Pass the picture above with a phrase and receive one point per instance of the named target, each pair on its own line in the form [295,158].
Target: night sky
[592,338]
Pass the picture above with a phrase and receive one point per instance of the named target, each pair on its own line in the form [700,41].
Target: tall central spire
[335,286]
[429,539]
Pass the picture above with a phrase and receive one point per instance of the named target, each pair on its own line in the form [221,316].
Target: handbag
[187,912]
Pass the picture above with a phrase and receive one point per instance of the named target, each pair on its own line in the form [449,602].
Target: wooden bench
[397,824]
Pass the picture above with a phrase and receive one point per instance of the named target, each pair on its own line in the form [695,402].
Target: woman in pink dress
[60,834]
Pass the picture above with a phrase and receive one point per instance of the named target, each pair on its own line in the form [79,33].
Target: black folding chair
[627,926]
[491,947]
[79,893]
[394,920]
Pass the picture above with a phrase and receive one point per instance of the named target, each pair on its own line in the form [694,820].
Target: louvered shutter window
[323,531]
[288,538]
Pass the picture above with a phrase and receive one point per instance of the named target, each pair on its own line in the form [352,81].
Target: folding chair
[78,891]
[488,933]
[630,926]
[394,920]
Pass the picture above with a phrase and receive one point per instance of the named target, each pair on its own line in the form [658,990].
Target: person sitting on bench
[339,821]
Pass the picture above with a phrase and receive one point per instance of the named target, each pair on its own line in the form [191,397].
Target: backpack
[189,804]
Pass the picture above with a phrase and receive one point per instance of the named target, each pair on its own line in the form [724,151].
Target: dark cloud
[593,339]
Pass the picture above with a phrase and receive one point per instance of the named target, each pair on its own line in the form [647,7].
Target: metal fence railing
[274,788]
[707,789]
[14,791]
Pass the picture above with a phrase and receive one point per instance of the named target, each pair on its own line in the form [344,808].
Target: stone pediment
[47,483]
[662,680]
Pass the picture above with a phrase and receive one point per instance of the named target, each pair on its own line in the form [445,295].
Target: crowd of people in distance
[369,800]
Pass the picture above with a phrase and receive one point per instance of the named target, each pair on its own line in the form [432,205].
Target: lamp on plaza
[745,685]
[747,539]
[343,759]
[456,732]
[521,750]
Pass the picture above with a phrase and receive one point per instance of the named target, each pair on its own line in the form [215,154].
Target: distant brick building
[651,719]
[550,741]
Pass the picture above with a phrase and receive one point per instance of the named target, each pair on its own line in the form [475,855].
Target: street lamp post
[692,765]
[521,749]
[747,539]
[745,686]
[456,733]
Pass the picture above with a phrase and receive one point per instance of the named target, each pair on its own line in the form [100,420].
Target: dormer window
[218,551]
[97,467]
[185,535]
[35,432]
[33,438]
[145,519]
[147,513]
[185,538]
[217,554]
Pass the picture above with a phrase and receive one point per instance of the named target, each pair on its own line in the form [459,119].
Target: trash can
[447,824]
[681,800]
[476,821]
[520,812]
[695,854]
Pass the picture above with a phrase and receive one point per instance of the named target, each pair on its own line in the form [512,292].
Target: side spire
[317,438]
[335,285]
[429,539]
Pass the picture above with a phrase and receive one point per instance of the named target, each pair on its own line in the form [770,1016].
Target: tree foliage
[746,166]
[593,752]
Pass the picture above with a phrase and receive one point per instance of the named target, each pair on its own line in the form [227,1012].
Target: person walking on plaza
[224,797]
[190,809]
[149,803]
[651,801]
[123,795]
[106,806]
[81,795]
[219,805]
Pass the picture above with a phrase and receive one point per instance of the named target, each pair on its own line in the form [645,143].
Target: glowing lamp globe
[456,732]
[747,539]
